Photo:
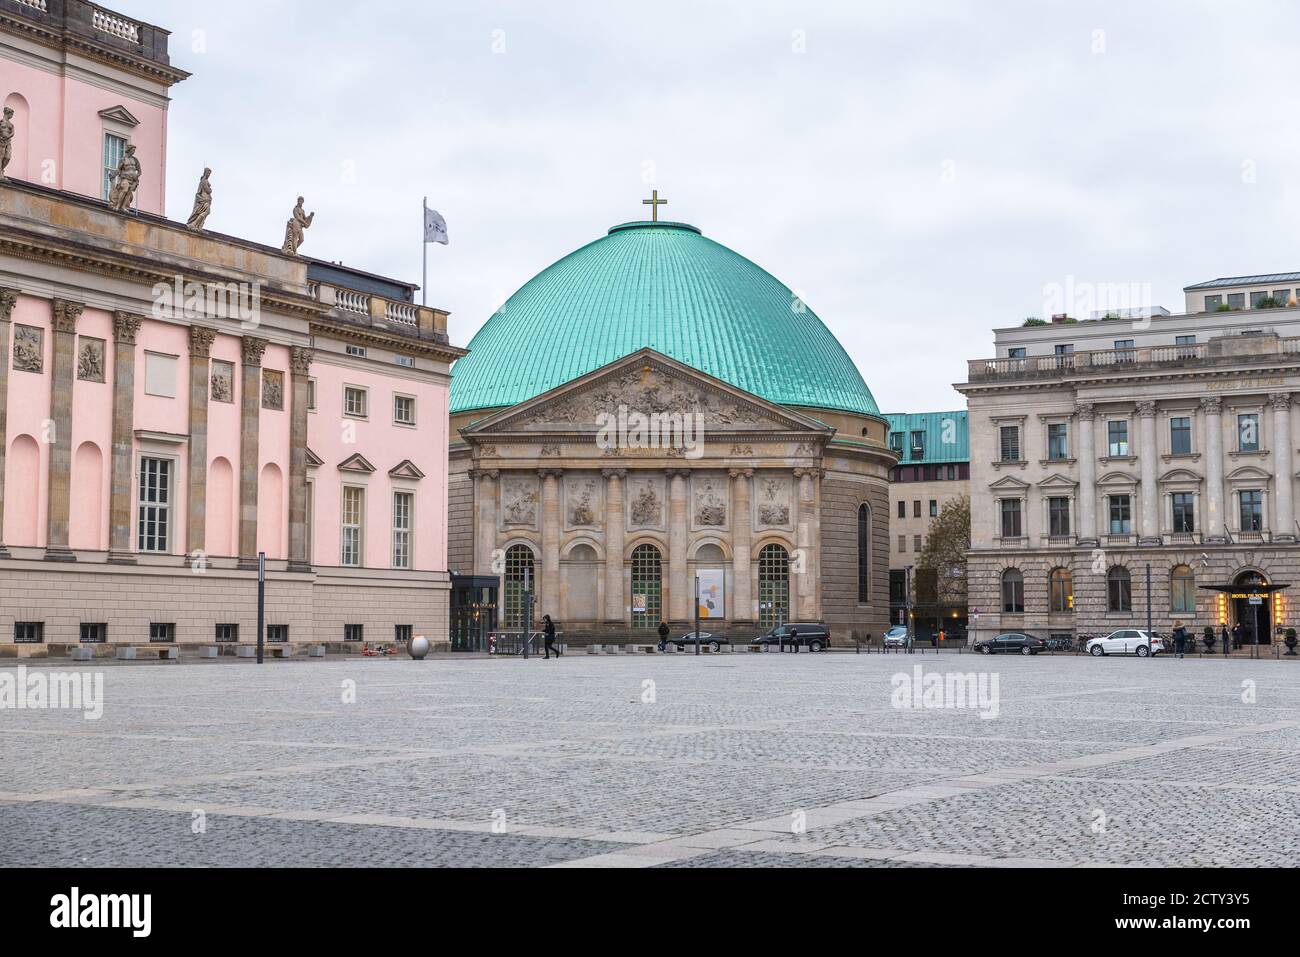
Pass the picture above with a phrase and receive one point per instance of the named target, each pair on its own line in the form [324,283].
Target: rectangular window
[29,632]
[1011,524]
[1180,435]
[1248,432]
[160,375]
[1058,517]
[896,442]
[1016,352]
[1010,443]
[1184,513]
[1213,302]
[1236,300]
[1258,300]
[227,634]
[1186,346]
[404,409]
[354,402]
[917,543]
[354,500]
[916,509]
[94,633]
[311,395]
[403,504]
[902,544]
[114,150]
[402,633]
[1121,515]
[277,634]
[154,516]
[1117,432]
[354,632]
[918,444]
[357,351]
[1124,351]
[934,508]
[161,633]
[1282,297]
[1252,511]
[404,361]
[1058,441]
[902,510]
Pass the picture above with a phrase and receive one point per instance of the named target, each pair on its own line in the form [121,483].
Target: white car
[1127,641]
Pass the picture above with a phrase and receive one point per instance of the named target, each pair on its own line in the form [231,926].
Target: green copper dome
[666,287]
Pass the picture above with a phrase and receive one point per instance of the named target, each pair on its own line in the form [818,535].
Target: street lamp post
[528,609]
[261,606]
[697,614]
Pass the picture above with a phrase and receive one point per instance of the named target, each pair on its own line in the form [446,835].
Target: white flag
[435,227]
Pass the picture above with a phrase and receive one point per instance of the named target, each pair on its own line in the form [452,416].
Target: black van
[810,635]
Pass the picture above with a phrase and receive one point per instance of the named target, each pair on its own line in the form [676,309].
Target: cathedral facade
[622,450]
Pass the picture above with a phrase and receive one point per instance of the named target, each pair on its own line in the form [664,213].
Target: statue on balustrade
[295,231]
[122,196]
[6,141]
[202,203]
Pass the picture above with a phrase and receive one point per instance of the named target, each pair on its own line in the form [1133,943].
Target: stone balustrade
[114,25]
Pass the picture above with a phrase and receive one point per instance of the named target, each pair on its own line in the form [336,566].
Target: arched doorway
[773,586]
[1252,607]
[647,588]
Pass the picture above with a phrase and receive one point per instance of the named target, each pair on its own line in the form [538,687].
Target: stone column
[65,316]
[681,592]
[300,366]
[1148,455]
[125,329]
[742,602]
[1283,467]
[201,339]
[8,299]
[485,544]
[550,597]
[1087,455]
[249,426]
[615,606]
[804,566]
[1214,519]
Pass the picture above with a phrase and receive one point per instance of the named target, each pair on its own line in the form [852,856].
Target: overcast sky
[920,172]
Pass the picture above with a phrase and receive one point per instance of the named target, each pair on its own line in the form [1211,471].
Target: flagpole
[424,237]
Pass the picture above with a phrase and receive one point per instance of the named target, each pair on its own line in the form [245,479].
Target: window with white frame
[354,503]
[1180,435]
[1009,443]
[403,506]
[1184,506]
[1121,514]
[114,150]
[354,401]
[1252,510]
[1117,438]
[1012,524]
[404,409]
[1058,441]
[154,509]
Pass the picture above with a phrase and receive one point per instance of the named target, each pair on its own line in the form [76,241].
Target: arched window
[1182,590]
[864,555]
[1061,590]
[1013,592]
[1119,589]
[773,586]
[520,567]
[647,587]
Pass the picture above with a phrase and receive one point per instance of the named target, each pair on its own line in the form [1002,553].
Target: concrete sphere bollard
[418,647]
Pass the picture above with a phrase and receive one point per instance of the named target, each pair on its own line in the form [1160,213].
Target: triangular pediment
[407,470]
[1009,483]
[119,114]
[356,463]
[1057,480]
[645,383]
[314,460]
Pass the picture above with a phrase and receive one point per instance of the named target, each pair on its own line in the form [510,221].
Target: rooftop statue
[122,196]
[6,141]
[295,230]
[202,202]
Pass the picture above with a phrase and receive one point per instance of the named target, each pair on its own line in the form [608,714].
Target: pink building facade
[174,404]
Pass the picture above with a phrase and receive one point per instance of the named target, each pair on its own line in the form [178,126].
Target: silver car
[896,637]
[1127,641]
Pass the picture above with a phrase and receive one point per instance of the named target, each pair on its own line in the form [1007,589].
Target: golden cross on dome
[654,202]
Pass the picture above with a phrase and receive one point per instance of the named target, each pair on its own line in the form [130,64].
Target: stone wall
[841,497]
[460,517]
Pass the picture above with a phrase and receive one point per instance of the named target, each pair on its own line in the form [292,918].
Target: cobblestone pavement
[724,761]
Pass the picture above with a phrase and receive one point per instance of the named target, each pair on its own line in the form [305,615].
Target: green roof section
[946,437]
[667,287]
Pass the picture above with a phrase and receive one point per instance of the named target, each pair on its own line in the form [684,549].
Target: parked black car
[1009,642]
[810,635]
[687,642]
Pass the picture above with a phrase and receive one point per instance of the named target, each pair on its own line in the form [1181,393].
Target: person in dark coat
[1226,639]
[548,629]
[1236,637]
[1180,639]
[794,640]
[663,635]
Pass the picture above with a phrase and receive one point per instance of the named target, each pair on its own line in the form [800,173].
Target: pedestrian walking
[1180,639]
[548,629]
[794,639]
[1226,639]
[663,635]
